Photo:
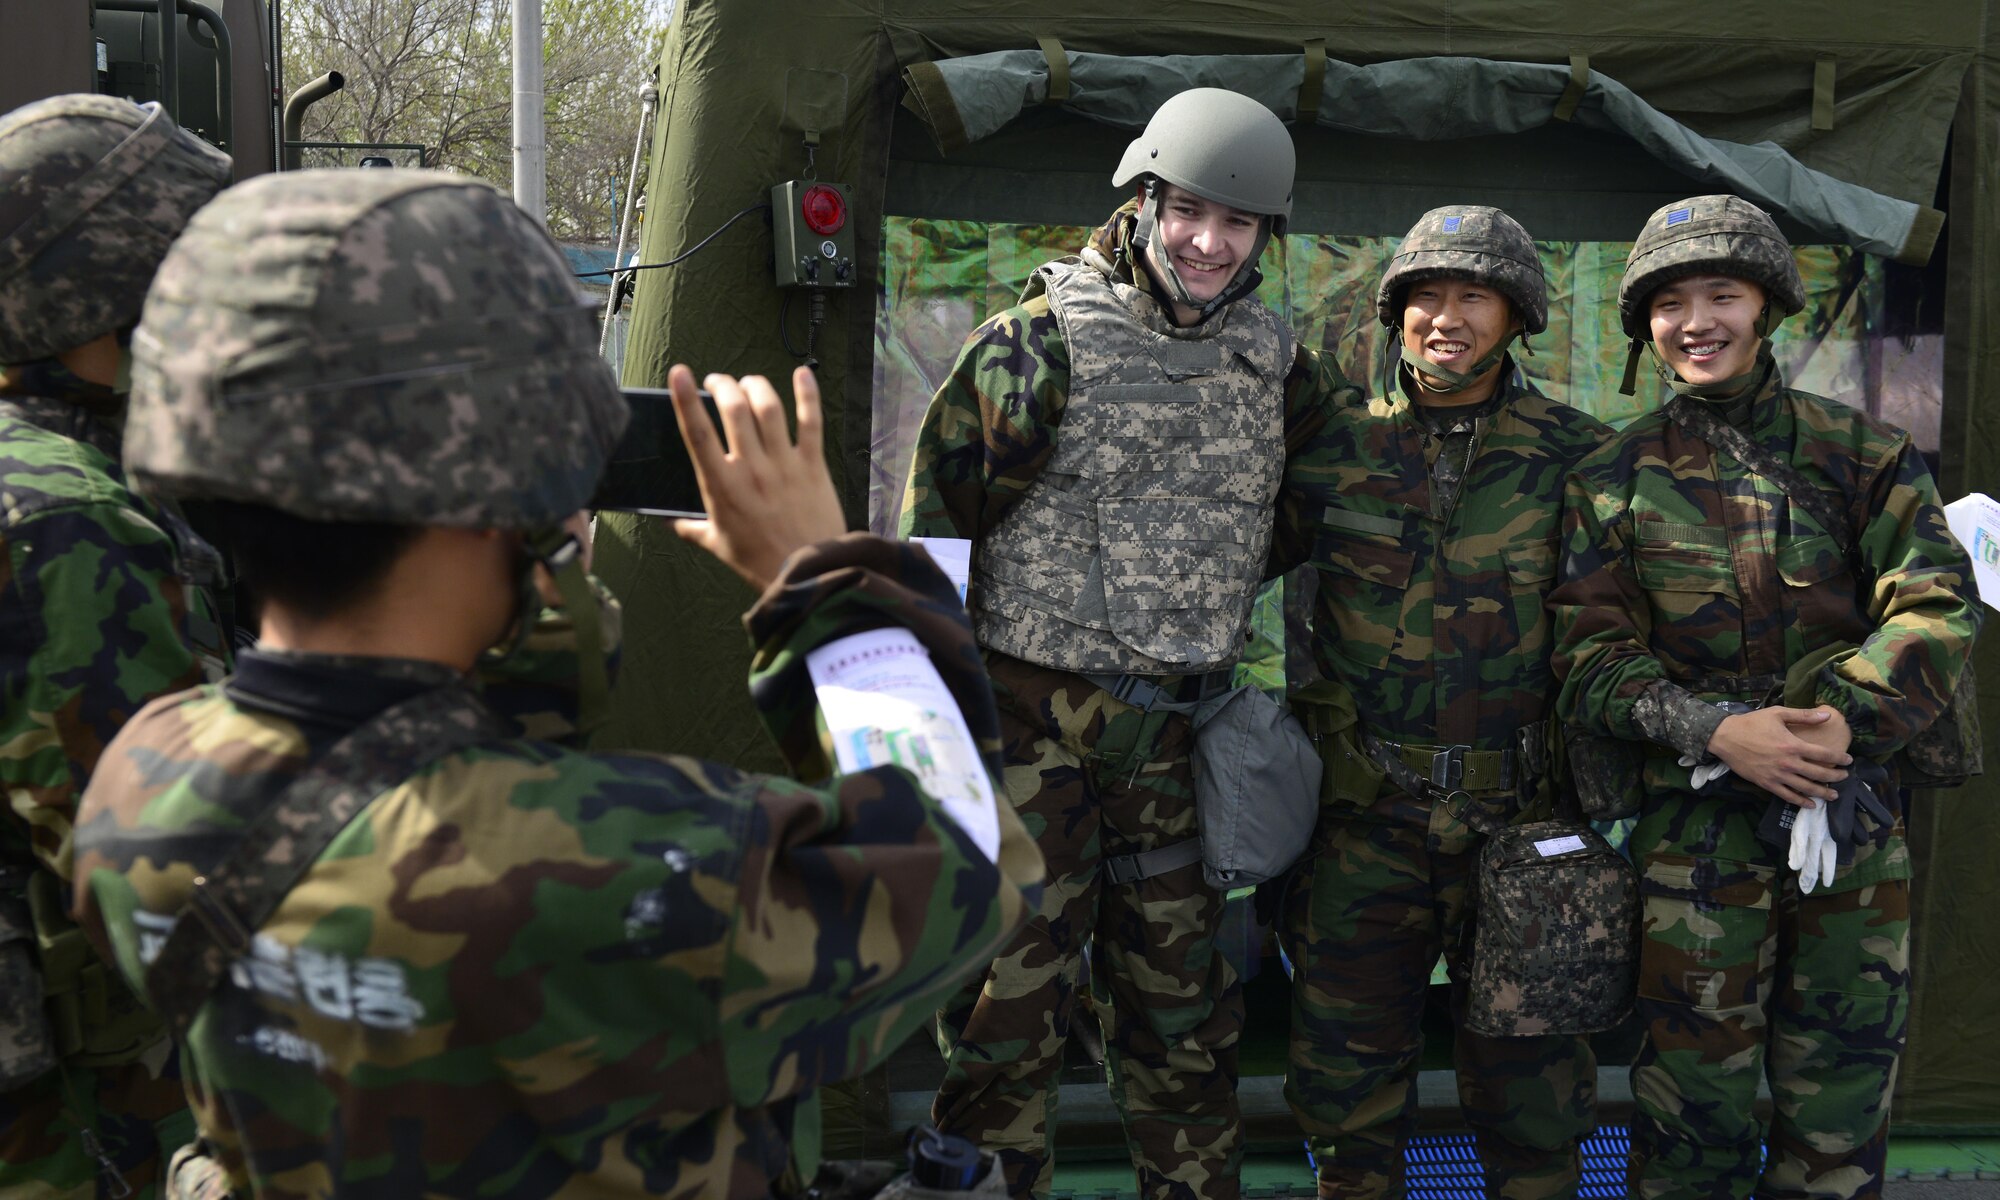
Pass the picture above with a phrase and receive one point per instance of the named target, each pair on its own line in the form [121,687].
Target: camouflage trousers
[135,1119]
[1378,896]
[1093,777]
[1741,979]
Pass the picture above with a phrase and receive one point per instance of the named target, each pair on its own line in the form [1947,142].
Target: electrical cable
[760,206]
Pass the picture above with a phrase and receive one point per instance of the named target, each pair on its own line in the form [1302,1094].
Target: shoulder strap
[229,903]
[1702,423]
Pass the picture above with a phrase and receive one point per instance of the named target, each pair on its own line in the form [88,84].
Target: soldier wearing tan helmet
[1430,515]
[1761,598]
[1111,446]
[102,607]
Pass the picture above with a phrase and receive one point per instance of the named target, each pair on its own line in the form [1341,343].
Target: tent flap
[1427,99]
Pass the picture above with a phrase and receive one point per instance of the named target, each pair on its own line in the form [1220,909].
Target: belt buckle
[1448,768]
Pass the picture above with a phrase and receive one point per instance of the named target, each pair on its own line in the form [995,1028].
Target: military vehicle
[213,64]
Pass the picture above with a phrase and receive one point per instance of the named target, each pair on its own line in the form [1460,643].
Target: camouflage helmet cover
[1222,146]
[1708,235]
[93,189]
[399,346]
[1469,241]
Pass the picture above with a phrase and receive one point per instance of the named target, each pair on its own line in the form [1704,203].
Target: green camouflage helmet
[93,189]
[1222,146]
[1708,235]
[397,346]
[1468,241]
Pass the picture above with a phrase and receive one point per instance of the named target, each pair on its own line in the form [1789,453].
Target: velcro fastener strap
[1314,81]
[1360,522]
[1122,869]
[1058,69]
[1573,92]
[92,188]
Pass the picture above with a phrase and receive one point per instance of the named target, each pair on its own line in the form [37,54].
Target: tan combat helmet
[1226,148]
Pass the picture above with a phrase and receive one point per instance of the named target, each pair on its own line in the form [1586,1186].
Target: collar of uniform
[50,396]
[341,690]
[1753,407]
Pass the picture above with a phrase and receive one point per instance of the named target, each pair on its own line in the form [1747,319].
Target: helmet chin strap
[555,548]
[1456,382]
[1241,284]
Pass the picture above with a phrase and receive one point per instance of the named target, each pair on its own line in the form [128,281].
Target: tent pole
[530,141]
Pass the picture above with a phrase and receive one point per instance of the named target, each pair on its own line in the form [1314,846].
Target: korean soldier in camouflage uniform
[1689,579]
[99,613]
[1111,446]
[520,969]
[1431,516]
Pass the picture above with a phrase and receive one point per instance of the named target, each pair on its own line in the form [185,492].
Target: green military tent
[979,138]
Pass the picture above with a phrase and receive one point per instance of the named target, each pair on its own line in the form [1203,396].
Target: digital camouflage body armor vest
[1140,547]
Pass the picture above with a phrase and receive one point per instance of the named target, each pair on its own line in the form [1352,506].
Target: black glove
[1857,792]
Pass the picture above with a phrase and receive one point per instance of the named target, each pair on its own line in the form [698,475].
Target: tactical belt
[1131,868]
[1449,775]
[229,903]
[1153,693]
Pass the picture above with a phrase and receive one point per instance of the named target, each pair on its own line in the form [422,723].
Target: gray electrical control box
[812,228]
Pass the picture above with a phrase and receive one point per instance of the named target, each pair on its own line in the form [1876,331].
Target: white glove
[1703,773]
[1813,856]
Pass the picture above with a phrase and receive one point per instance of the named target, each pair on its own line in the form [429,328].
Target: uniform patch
[1451,224]
[1680,216]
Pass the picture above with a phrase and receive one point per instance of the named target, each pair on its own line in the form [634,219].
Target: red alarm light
[824,209]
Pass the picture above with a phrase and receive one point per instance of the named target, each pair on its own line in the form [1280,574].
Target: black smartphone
[650,471]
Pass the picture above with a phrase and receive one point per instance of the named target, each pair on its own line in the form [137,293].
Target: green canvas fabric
[1426,99]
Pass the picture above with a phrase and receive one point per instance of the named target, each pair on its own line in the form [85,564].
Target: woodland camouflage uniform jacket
[530,971]
[94,613]
[1430,610]
[1687,578]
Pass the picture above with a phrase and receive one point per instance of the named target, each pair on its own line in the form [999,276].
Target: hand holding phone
[766,495]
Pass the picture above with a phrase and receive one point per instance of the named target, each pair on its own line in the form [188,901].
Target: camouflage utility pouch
[1557,943]
[1606,773]
[1948,752]
[27,1046]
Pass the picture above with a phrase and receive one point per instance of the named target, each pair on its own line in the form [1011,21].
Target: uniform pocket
[1704,922]
[1531,572]
[1811,560]
[1685,567]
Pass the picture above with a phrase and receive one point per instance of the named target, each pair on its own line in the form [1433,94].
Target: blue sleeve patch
[1680,216]
[1451,224]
